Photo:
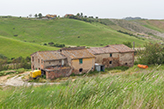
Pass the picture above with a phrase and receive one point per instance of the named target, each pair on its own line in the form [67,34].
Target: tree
[96,17]
[30,15]
[129,44]
[152,54]
[78,15]
[40,15]
[81,14]
[36,15]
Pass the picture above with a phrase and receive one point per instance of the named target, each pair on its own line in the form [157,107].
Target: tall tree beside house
[40,15]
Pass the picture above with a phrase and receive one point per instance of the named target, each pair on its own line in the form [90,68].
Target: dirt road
[17,81]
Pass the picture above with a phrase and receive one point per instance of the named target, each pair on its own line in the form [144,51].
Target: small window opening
[80,61]
[110,62]
[80,70]
[49,62]
[33,59]
[110,54]
[126,63]
[38,60]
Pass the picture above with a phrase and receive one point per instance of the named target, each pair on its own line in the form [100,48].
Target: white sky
[151,9]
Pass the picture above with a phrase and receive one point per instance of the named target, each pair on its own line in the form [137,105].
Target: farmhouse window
[32,59]
[49,62]
[38,60]
[41,61]
[110,62]
[80,61]
[110,54]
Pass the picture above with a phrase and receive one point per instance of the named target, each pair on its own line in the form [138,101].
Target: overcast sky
[151,9]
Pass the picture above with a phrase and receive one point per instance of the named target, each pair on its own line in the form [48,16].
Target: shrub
[129,44]
[59,45]
[3,56]
[21,70]
[45,43]
[153,54]
[50,43]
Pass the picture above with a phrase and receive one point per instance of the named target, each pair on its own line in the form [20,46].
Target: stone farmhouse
[113,55]
[80,60]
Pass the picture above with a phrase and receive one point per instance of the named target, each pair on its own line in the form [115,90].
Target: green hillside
[64,31]
[150,29]
[157,25]
[14,48]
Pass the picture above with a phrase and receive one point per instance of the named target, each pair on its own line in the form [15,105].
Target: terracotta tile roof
[73,48]
[68,15]
[51,55]
[77,54]
[102,50]
[122,48]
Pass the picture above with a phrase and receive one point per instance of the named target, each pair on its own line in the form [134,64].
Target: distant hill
[151,29]
[15,48]
[133,18]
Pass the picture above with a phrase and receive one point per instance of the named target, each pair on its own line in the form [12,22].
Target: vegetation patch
[143,90]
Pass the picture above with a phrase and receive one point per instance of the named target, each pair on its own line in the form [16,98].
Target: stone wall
[36,64]
[55,63]
[110,62]
[88,63]
[117,59]
[100,57]
[126,59]
[62,72]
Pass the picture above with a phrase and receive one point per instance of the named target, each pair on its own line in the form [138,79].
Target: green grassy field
[14,48]
[137,89]
[64,31]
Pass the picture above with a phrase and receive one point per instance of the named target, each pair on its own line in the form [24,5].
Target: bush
[3,56]
[21,70]
[59,45]
[153,54]
[129,44]
[50,43]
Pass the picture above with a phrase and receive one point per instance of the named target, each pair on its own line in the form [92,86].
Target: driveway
[17,81]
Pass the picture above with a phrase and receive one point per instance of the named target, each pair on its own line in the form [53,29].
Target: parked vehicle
[34,74]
